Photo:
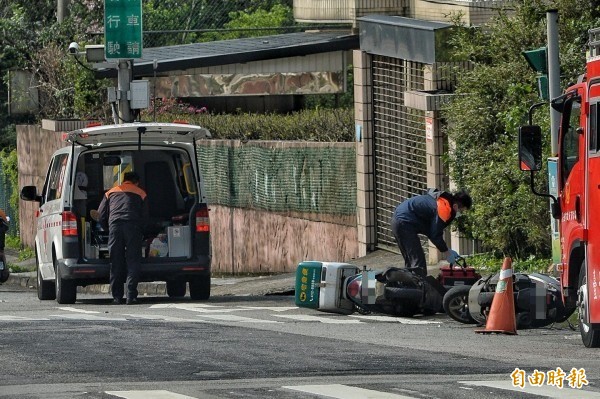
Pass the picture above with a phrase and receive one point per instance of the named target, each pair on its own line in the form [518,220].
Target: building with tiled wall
[401,79]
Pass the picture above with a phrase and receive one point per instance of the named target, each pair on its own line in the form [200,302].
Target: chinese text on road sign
[123,29]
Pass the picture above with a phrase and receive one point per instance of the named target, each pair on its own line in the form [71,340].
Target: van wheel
[176,288]
[589,335]
[45,289]
[66,290]
[200,288]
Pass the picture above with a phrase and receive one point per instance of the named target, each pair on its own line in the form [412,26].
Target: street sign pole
[124,85]
[123,42]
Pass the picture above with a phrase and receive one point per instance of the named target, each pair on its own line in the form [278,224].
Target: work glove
[452,256]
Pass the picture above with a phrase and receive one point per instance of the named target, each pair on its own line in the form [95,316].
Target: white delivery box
[179,240]
[331,297]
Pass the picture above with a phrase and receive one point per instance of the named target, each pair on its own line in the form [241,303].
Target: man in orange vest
[428,214]
[123,211]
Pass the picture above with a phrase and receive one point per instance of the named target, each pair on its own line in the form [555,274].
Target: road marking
[195,307]
[271,308]
[390,319]
[164,318]
[148,395]
[235,319]
[345,392]
[71,309]
[21,318]
[327,320]
[87,317]
[544,390]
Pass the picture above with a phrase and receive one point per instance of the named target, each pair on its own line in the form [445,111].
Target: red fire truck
[577,204]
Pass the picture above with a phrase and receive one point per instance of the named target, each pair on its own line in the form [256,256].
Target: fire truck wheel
[589,335]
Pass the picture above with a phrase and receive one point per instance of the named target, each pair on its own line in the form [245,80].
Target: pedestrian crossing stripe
[339,391]
[544,390]
[156,394]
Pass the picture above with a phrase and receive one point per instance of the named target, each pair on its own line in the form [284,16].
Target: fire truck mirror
[530,148]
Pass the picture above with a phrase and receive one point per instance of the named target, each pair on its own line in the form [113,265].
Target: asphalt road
[265,347]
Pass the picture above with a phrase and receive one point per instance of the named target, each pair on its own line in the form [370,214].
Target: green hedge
[326,125]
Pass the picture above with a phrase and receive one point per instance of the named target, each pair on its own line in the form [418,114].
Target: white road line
[148,395]
[71,309]
[327,320]
[345,392]
[271,308]
[235,319]
[164,318]
[545,390]
[194,307]
[87,317]
[21,318]
[391,319]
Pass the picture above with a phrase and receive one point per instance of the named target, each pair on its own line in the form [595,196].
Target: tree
[491,102]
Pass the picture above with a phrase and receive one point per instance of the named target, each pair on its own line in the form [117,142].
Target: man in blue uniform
[428,214]
[123,211]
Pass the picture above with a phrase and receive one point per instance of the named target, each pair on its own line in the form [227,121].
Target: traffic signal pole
[553,75]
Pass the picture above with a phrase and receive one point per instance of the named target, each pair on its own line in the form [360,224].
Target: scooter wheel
[456,304]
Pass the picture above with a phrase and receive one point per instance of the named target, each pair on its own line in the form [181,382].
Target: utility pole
[62,10]
[124,85]
[553,75]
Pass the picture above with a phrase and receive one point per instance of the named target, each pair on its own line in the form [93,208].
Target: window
[56,176]
[594,140]
[570,136]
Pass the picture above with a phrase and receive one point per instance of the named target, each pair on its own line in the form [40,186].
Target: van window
[56,177]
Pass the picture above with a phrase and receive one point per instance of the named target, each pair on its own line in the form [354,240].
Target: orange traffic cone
[502,313]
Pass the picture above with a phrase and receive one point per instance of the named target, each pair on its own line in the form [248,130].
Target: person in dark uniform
[428,214]
[123,211]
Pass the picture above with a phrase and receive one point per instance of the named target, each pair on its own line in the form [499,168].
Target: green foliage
[278,15]
[10,167]
[26,253]
[489,263]
[312,125]
[491,102]
[13,242]
[205,16]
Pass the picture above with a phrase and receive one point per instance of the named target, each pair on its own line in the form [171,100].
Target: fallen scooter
[537,298]
[341,288]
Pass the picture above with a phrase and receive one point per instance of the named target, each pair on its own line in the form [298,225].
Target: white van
[71,247]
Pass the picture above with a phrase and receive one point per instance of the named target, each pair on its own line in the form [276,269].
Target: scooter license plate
[1,265]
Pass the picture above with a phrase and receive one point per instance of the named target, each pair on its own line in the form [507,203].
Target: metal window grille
[399,146]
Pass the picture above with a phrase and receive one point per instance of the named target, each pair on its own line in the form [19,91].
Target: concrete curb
[243,286]
[281,284]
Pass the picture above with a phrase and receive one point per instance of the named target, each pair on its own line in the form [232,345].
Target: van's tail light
[202,221]
[69,224]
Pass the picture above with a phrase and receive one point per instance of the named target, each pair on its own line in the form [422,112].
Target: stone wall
[35,147]
[243,240]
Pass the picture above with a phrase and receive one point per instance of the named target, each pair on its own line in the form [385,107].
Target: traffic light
[537,59]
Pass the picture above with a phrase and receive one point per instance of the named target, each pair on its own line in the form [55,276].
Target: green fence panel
[295,179]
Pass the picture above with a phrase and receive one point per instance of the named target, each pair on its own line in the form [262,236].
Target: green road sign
[123,28]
